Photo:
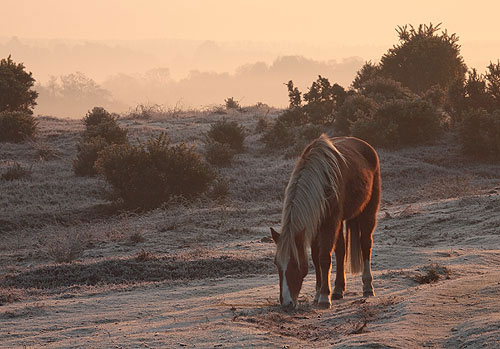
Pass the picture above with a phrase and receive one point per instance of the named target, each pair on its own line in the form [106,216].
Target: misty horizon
[189,73]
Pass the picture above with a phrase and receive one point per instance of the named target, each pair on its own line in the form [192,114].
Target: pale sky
[346,22]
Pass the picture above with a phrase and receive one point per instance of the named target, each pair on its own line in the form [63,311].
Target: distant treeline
[74,94]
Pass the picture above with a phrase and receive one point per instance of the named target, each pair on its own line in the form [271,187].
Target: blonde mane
[306,201]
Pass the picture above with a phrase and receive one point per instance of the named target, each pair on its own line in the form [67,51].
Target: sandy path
[233,312]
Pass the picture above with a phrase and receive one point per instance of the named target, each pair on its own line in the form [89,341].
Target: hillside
[201,273]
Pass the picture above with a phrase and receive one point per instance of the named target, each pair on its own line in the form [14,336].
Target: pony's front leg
[326,243]
[317,269]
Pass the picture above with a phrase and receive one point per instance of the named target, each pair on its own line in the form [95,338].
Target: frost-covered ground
[201,274]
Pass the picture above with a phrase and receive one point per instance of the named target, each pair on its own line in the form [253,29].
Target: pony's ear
[275,235]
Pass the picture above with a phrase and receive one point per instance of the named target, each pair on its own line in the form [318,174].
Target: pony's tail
[353,251]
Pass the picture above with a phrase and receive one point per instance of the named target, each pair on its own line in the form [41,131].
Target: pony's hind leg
[366,250]
[338,291]
[367,222]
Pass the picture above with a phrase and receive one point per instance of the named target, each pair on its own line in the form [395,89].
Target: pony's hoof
[324,305]
[367,294]
[337,296]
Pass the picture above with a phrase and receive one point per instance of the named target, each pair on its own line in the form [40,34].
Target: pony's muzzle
[289,306]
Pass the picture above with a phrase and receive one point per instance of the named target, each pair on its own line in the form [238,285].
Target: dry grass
[43,150]
[15,171]
[432,273]
[145,266]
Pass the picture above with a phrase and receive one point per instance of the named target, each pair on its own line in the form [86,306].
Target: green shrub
[399,123]
[107,130]
[320,106]
[87,153]
[231,103]
[279,136]
[381,89]
[17,126]
[228,132]
[480,134]
[302,137]
[16,93]
[322,101]
[435,95]
[101,130]
[262,125]
[149,174]
[100,123]
[97,116]
[293,117]
[219,154]
[354,107]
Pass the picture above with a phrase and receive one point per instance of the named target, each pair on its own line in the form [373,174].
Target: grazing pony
[334,181]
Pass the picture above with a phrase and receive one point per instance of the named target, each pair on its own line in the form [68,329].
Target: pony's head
[291,260]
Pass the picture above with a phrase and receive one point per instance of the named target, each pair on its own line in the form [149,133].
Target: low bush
[86,156]
[100,123]
[398,123]
[219,154]
[149,174]
[355,107]
[381,89]
[480,134]
[279,136]
[231,103]
[96,116]
[227,132]
[17,126]
[293,117]
[262,125]
[101,130]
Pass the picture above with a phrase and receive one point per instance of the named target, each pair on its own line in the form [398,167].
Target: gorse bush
[279,136]
[480,134]
[97,116]
[231,103]
[101,130]
[219,154]
[398,123]
[355,107]
[16,84]
[227,132]
[320,105]
[322,101]
[87,153]
[262,125]
[477,91]
[100,123]
[381,89]
[17,126]
[423,58]
[151,173]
